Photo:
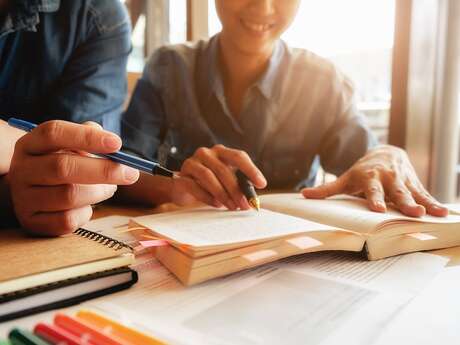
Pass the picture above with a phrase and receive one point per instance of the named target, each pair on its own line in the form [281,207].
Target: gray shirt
[299,114]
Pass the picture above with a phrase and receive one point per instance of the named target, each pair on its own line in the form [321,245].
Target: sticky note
[304,242]
[153,243]
[422,236]
[260,255]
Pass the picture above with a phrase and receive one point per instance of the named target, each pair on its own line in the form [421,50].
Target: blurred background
[402,55]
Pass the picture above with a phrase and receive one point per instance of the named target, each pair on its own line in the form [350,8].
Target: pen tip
[255,203]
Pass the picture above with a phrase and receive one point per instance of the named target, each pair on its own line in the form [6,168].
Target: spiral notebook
[40,274]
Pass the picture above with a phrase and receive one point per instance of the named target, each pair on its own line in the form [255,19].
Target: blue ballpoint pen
[144,165]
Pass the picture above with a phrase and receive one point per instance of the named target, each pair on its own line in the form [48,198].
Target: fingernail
[438,207]
[112,142]
[381,205]
[130,174]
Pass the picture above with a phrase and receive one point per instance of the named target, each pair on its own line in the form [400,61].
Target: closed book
[40,274]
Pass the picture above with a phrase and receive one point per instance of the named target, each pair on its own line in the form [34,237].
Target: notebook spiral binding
[103,239]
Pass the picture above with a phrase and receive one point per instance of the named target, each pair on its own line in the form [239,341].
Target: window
[155,23]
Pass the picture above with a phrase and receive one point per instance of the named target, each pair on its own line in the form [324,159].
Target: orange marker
[108,326]
[82,329]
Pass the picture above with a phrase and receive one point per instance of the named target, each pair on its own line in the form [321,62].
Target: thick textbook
[206,243]
[39,274]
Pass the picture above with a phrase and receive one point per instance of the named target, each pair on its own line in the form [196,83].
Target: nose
[263,7]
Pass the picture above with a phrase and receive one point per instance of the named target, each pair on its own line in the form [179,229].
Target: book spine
[103,239]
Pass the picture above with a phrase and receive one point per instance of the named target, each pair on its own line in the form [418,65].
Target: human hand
[209,176]
[52,186]
[383,174]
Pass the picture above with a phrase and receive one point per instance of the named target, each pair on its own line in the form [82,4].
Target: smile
[257,27]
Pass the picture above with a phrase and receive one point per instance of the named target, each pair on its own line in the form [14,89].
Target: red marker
[81,329]
[57,335]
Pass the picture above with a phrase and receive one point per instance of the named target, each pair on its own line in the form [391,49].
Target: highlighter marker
[128,334]
[19,336]
[80,328]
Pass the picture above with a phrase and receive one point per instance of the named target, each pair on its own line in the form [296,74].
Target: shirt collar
[24,15]
[266,84]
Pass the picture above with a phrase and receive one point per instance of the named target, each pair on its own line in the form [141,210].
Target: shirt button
[173,150]
[296,172]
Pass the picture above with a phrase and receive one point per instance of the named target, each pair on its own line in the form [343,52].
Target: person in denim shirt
[245,100]
[66,60]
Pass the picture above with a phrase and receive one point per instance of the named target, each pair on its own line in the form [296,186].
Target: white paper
[431,317]
[346,212]
[112,226]
[403,274]
[213,227]
[320,299]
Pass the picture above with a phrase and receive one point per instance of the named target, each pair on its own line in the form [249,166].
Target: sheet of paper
[454,208]
[323,298]
[345,212]
[431,317]
[212,227]
[404,274]
[112,226]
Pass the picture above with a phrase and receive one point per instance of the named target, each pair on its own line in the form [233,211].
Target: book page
[342,211]
[207,226]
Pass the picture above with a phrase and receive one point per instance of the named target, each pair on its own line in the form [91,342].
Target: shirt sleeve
[93,85]
[143,124]
[349,137]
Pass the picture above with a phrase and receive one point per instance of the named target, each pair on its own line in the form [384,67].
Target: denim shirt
[299,114]
[64,59]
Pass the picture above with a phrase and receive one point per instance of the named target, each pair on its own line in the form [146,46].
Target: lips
[255,27]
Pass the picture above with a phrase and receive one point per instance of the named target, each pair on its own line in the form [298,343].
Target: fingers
[432,206]
[68,168]
[70,196]
[93,124]
[213,170]
[325,190]
[207,180]
[241,160]
[187,191]
[375,195]
[226,177]
[57,135]
[400,195]
[58,223]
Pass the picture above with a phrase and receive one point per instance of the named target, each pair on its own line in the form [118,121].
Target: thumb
[325,190]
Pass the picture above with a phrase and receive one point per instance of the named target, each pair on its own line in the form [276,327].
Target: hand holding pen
[53,188]
[213,171]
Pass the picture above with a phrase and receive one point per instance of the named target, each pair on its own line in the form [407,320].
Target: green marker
[19,336]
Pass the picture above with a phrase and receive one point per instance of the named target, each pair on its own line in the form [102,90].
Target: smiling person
[246,100]
[60,60]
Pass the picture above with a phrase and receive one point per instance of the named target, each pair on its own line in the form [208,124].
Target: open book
[206,243]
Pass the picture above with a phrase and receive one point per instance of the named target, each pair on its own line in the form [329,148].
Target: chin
[254,47]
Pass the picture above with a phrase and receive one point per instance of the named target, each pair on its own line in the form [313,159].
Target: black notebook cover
[78,298]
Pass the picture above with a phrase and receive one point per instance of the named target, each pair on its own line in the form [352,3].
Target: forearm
[148,190]
[9,136]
